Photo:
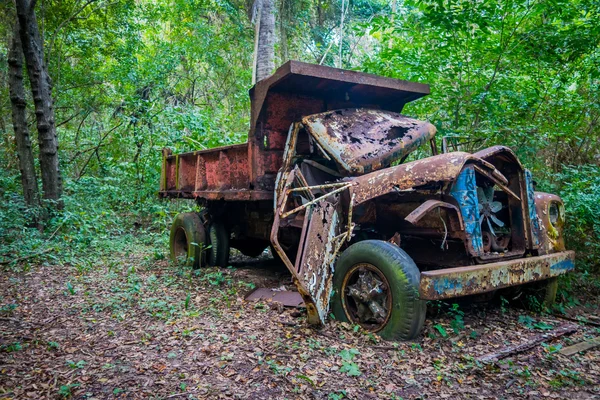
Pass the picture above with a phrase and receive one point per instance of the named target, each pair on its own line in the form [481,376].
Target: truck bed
[221,173]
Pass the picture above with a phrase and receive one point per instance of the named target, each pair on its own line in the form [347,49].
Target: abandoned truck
[366,235]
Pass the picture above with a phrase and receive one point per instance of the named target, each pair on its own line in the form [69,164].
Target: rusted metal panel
[551,212]
[415,216]
[317,262]
[533,219]
[363,140]
[298,89]
[463,281]
[286,297]
[501,153]
[434,171]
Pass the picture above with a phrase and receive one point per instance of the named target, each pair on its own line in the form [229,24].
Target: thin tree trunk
[19,118]
[41,89]
[283,39]
[265,52]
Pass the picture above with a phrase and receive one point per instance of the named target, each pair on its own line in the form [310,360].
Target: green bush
[580,190]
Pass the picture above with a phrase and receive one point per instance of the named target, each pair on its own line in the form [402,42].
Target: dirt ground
[141,328]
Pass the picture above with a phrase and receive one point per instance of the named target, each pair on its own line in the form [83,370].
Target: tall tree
[41,88]
[19,118]
[264,49]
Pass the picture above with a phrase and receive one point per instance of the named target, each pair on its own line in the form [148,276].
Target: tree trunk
[41,89]
[265,49]
[19,118]
[283,39]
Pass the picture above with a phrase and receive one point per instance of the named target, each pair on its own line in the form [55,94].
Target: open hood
[364,140]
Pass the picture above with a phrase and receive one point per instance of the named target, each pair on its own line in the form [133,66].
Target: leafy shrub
[580,190]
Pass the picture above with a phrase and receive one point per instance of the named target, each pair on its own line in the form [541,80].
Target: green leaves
[348,367]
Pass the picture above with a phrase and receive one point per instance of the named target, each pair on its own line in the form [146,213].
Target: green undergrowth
[101,217]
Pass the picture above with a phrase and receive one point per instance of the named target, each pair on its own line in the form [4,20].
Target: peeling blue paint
[444,285]
[533,217]
[565,265]
[464,191]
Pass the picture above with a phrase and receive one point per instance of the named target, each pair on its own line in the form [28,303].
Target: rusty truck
[367,235]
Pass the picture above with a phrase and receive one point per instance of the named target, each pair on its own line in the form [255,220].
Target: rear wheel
[218,239]
[187,239]
[376,285]
[535,296]
[540,296]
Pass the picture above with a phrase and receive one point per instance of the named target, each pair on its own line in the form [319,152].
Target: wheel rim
[367,298]
[180,243]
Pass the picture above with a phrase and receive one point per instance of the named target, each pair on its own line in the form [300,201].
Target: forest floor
[134,326]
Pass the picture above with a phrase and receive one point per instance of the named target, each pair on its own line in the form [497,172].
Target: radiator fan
[488,208]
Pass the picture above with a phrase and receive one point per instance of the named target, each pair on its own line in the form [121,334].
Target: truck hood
[364,140]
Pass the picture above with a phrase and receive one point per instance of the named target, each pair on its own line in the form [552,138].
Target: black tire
[187,239]
[535,296]
[218,239]
[541,296]
[399,276]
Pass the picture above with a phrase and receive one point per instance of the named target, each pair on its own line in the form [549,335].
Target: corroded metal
[367,299]
[316,175]
[363,140]
[551,211]
[462,281]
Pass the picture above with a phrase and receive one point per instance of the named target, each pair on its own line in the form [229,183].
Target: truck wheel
[541,294]
[187,239]
[376,285]
[535,296]
[218,239]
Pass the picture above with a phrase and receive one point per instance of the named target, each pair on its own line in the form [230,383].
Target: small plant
[441,330]
[551,348]
[16,346]
[337,395]
[186,303]
[53,346]
[70,289]
[66,391]
[76,365]
[8,308]
[526,321]
[348,367]
[457,323]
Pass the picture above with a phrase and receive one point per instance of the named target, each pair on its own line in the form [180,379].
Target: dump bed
[247,171]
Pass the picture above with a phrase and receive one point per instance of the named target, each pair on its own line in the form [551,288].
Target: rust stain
[463,281]
[363,140]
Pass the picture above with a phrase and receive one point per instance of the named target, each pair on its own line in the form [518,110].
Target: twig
[520,348]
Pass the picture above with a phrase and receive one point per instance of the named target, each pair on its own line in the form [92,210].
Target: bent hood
[362,140]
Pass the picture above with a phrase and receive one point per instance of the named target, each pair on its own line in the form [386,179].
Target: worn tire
[541,294]
[187,239]
[535,296]
[218,240]
[407,314]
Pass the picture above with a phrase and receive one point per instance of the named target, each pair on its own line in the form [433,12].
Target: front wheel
[376,285]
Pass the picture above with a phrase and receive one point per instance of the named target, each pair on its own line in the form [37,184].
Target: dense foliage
[131,77]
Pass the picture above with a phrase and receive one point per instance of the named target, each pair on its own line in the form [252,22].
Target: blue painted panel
[464,191]
[565,265]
